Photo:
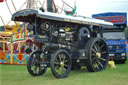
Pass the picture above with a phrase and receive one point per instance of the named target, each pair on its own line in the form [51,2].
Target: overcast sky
[84,7]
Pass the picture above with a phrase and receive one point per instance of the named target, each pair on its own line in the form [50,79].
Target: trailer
[63,42]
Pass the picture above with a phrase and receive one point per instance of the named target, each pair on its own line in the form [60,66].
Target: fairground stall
[12,46]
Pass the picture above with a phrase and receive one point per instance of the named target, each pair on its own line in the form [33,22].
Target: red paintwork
[2,56]
[20,56]
[113,19]
[1,0]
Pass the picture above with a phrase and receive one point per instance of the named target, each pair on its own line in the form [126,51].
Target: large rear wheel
[97,55]
[60,64]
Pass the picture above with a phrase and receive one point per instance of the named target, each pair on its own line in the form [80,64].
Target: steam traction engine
[63,42]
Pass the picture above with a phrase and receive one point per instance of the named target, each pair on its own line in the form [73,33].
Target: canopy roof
[28,15]
[5,34]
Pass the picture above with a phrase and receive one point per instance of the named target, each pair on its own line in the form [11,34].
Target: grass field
[18,75]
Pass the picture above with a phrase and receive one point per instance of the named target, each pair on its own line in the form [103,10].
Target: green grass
[18,75]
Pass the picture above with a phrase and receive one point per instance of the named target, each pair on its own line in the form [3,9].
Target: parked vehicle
[117,44]
[63,42]
[115,37]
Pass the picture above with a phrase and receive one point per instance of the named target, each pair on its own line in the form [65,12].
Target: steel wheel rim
[35,66]
[99,55]
[61,64]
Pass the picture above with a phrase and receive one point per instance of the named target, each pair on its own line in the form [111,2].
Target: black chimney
[50,5]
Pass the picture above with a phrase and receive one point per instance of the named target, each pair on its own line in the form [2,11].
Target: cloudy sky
[100,6]
[84,7]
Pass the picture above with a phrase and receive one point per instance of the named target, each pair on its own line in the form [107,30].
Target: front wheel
[60,64]
[33,64]
[97,55]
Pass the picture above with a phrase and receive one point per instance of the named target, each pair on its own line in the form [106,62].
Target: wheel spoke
[40,69]
[63,70]
[32,64]
[98,42]
[95,65]
[65,65]
[56,59]
[101,46]
[98,48]
[93,54]
[35,69]
[59,70]
[103,52]
[64,58]
[93,50]
[93,59]
[102,59]
[99,63]
[35,59]
[65,61]
[59,57]
[56,63]
[32,67]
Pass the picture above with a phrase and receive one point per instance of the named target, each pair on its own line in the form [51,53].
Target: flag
[1,0]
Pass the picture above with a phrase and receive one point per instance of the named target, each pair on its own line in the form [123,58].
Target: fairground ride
[12,40]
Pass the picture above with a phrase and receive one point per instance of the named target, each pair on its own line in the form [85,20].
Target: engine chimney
[50,5]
